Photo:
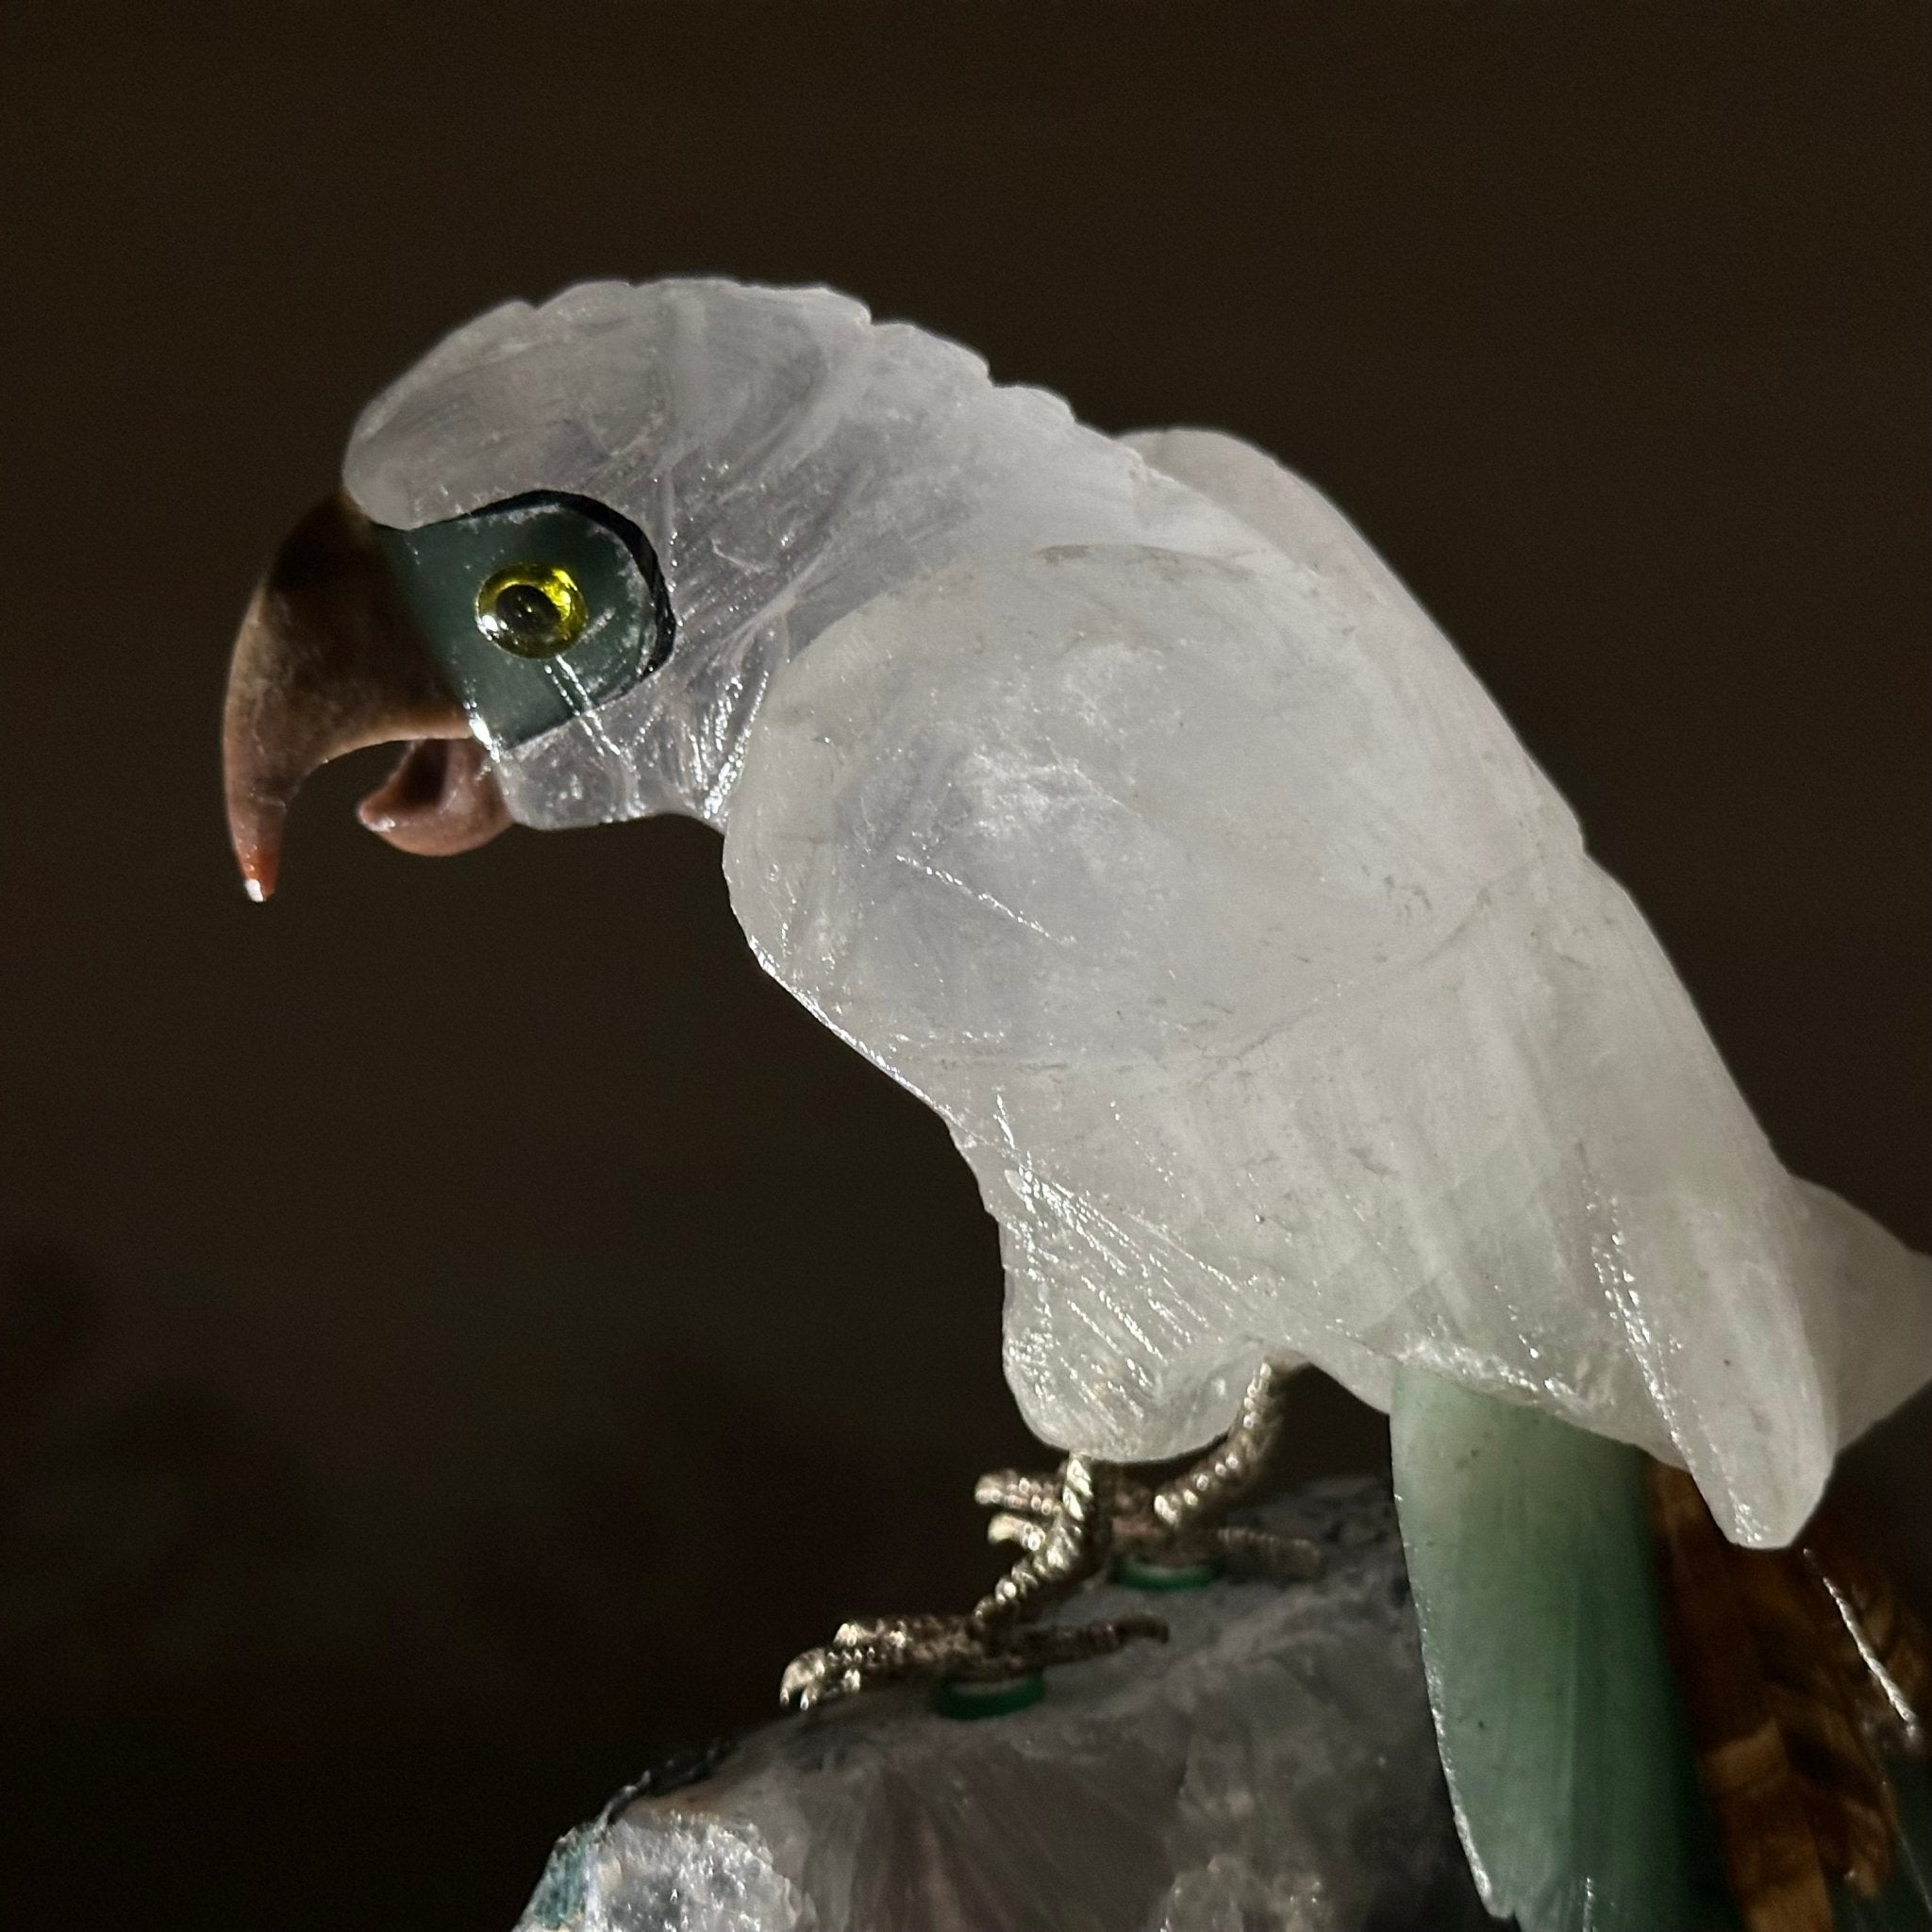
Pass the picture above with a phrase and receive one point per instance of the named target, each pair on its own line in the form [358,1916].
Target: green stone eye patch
[537,609]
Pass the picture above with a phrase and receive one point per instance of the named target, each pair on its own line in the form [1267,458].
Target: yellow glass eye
[532,609]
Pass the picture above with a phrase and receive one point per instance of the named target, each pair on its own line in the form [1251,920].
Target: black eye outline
[663,619]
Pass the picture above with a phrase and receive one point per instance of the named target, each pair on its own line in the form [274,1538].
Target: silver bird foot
[1069,1527]
[1067,1539]
[871,1653]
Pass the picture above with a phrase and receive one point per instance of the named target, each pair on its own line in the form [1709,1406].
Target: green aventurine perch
[1529,1555]
[1113,795]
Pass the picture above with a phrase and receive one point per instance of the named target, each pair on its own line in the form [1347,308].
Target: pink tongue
[441,798]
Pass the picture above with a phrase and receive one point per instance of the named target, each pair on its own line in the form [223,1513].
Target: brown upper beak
[327,660]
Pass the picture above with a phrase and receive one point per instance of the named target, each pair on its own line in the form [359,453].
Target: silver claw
[871,1654]
[1010,1488]
[1068,1526]
[1028,1531]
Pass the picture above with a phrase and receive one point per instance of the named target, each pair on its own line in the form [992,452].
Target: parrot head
[464,639]
[571,549]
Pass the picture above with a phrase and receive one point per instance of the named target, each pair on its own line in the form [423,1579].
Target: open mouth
[442,798]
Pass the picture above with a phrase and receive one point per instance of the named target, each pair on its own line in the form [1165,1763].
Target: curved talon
[1074,1543]
[1176,1523]
[1009,1489]
[1068,1525]
[1026,1531]
[874,1653]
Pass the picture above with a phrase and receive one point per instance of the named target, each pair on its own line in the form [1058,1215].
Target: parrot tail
[1645,1728]
[1801,1676]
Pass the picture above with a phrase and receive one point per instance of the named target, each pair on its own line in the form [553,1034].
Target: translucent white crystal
[788,459]
[1126,808]
[1271,1769]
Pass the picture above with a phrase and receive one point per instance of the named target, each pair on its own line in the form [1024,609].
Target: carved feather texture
[1799,1672]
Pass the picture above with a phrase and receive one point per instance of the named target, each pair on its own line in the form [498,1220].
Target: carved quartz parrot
[1113,795]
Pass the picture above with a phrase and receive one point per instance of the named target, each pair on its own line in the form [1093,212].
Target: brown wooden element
[1813,1678]
[1770,1854]
[1800,1673]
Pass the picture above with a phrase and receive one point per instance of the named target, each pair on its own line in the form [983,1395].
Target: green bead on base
[1137,1573]
[965,1698]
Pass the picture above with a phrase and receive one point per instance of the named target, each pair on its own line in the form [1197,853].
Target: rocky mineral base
[1270,1769]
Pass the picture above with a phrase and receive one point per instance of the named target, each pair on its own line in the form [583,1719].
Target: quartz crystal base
[1272,1768]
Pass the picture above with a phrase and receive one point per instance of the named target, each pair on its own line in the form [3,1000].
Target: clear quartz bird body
[1114,797]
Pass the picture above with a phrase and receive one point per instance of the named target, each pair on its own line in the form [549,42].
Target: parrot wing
[1040,836]
[1265,984]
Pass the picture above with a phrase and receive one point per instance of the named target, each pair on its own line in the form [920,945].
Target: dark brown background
[460,1329]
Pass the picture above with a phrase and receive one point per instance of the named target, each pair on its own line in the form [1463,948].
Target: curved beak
[328,660]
